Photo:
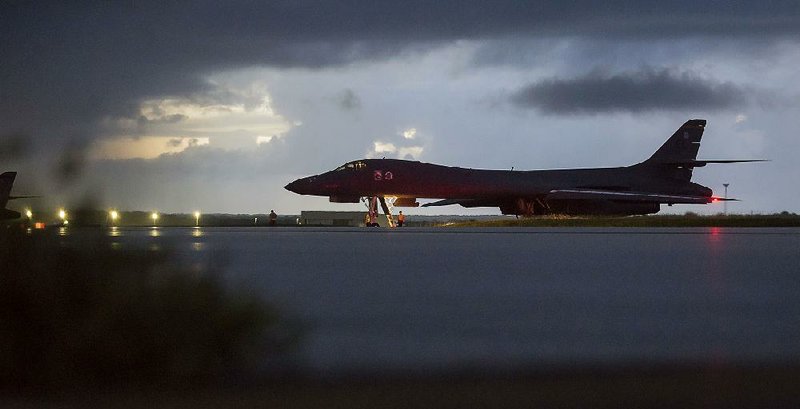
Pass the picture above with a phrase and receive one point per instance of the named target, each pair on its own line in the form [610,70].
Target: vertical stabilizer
[6,181]
[676,156]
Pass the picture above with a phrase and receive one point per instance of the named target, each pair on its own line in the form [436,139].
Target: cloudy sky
[211,105]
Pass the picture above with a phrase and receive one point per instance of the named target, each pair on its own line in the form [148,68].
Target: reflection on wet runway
[419,298]
[155,232]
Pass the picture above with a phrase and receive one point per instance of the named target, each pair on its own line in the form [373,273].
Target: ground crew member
[401,218]
[273,218]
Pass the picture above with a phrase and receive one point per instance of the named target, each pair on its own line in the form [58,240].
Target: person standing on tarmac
[273,218]
[401,218]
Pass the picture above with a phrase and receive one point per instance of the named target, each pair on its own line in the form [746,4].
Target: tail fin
[6,181]
[676,157]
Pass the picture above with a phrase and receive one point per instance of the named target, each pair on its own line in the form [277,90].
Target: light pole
[196,218]
[725,205]
[154,216]
[114,216]
[62,214]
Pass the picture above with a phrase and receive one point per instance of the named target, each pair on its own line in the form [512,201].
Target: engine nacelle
[523,207]
[602,207]
[528,207]
[406,202]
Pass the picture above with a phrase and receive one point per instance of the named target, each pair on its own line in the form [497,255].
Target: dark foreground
[515,317]
[654,387]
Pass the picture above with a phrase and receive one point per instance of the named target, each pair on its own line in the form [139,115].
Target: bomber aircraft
[664,178]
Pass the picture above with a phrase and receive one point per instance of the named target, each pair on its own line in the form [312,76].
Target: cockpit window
[352,166]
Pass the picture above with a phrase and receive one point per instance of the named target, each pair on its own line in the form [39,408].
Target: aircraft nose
[301,186]
[292,187]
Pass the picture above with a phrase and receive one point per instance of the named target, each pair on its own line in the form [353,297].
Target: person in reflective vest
[401,219]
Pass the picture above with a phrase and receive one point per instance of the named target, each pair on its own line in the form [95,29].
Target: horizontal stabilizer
[701,163]
[597,194]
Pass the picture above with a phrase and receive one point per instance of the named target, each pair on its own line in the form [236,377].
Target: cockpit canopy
[356,165]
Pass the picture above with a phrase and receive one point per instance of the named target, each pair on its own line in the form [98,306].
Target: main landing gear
[372,213]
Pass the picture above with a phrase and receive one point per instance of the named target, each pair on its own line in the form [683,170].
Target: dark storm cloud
[645,90]
[67,64]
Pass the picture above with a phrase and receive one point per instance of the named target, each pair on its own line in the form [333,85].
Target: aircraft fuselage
[401,178]
[664,178]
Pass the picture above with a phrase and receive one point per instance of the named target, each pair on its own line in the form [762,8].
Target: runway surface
[430,299]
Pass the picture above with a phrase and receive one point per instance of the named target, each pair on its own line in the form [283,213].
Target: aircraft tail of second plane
[6,181]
